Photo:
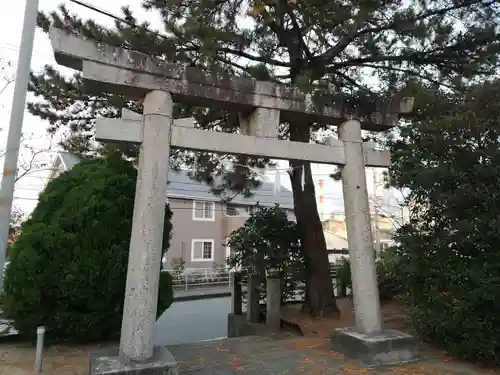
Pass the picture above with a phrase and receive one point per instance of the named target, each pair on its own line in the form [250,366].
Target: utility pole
[376,213]
[15,126]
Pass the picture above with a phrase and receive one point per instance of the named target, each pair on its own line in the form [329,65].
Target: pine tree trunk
[320,300]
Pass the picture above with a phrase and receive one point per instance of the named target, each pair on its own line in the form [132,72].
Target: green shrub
[388,266]
[344,276]
[453,299]
[269,241]
[389,276]
[447,159]
[67,270]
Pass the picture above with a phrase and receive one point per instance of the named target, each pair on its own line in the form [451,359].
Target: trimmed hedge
[68,268]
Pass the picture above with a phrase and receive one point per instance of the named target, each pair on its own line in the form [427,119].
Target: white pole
[40,332]
[15,126]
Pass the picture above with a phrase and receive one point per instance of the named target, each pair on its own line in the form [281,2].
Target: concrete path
[192,321]
[289,355]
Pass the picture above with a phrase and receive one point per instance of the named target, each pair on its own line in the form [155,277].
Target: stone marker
[253,299]
[273,306]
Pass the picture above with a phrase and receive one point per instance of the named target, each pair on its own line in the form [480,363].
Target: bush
[447,160]
[269,241]
[388,266]
[390,279]
[68,268]
[344,276]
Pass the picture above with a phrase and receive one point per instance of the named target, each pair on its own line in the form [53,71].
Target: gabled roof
[180,185]
[68,159]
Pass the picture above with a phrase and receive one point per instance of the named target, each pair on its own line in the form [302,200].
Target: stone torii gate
[261,105]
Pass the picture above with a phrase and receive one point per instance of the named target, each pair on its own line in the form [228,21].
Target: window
[203,211]
[239,210]
[251,209]
[385,245]
[202,250]
[232,210]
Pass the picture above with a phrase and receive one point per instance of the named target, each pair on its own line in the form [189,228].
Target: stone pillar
[253,299]
[141,292]
[236,293]
[261,122]
[359,232]
[273,308]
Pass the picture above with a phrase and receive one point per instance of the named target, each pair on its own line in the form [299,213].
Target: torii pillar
[368,341]
[143,272]
[137,353]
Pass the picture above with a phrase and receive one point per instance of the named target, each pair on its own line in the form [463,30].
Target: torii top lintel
[113,69]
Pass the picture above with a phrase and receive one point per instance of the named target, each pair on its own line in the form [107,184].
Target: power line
[116,18]
[15,48]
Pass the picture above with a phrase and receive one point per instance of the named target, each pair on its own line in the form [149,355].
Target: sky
[28,188]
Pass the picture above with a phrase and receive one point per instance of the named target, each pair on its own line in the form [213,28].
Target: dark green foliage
[448,159]
[269,242]
[68,267]
[389,276]
[344,274]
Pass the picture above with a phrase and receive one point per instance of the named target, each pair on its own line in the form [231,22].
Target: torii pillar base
[107,362]
[388,347]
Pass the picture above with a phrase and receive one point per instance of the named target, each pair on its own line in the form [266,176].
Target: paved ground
[192,321]
[187,322]
[287,355]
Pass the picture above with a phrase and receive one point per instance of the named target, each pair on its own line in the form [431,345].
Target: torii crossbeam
[132,73]
[184,135]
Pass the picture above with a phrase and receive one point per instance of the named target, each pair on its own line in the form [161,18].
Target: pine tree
[331,46]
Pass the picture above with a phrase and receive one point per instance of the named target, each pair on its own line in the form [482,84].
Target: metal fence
[200,278]
[190,279]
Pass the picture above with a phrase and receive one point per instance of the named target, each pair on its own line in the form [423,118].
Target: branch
[345,41]
[31,166]
[299,34]
[410,72]
[264,60]
[7,83]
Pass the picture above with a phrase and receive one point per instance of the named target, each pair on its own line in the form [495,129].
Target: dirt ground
[394,317]
[393,313]
[18,359]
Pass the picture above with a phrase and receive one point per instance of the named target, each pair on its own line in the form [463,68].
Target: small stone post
[141,292]
[236,293]
[273,308]
[359,232]
[253,299]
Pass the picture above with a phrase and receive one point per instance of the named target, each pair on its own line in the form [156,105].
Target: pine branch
[412,73]
[248,56]
[330,54]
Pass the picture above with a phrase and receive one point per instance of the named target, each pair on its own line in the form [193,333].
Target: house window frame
[195,218]
[203,241]
[238,214]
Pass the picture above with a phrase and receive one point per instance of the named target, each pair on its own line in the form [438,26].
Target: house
[64,161]
[335,231]
[201,220]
